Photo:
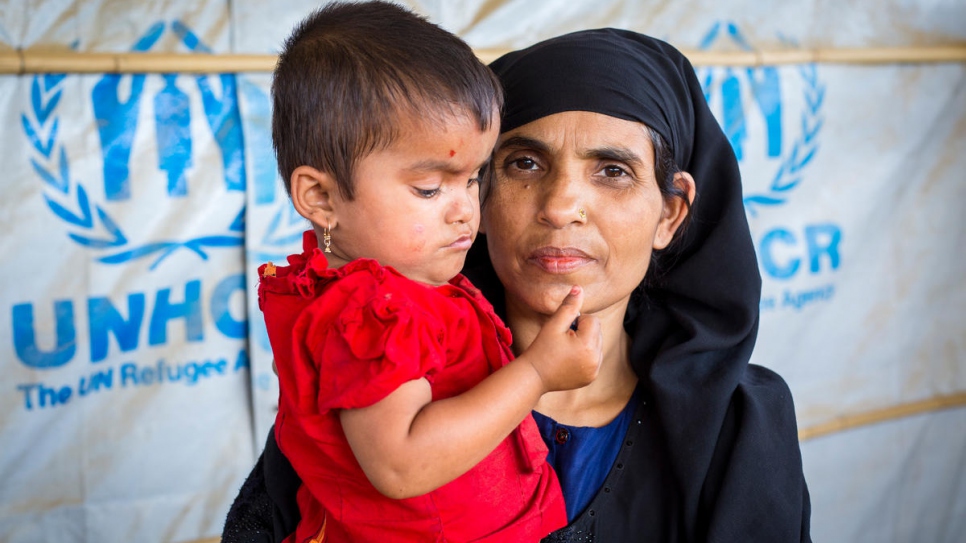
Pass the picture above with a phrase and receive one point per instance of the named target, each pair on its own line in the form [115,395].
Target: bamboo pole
[856,420]
[36,62]
[28,62]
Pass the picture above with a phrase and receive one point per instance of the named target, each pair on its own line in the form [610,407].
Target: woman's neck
[599,402]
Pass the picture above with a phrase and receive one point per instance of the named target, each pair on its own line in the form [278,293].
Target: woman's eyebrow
[523,142]
[617,154]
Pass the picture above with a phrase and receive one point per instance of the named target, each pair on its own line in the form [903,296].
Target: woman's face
[575,201]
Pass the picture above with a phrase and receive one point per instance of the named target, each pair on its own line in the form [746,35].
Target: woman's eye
[525,163]
[614,171]
[427,193]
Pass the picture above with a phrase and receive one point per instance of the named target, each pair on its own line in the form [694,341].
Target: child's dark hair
[350,71]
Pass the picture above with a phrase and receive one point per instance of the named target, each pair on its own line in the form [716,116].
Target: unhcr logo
[763,84]
[182,117]
[774,130]
[91,223]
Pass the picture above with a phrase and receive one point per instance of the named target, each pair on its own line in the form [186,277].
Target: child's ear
[315,195]
[675,210]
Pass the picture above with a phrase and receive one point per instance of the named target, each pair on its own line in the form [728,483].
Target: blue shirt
[582,456]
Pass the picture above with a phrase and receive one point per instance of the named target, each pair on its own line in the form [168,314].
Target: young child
[401,406]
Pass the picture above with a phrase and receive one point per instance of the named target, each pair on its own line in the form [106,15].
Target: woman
[607,148]
[596,126]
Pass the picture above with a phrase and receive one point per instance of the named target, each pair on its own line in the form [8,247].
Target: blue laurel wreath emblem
[789,173]
[68,200]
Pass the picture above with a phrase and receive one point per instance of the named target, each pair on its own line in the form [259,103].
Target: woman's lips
[559,260]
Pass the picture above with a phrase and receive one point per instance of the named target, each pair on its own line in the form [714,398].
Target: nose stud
[581,213]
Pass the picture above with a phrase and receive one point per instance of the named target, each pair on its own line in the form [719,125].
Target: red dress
[347,337]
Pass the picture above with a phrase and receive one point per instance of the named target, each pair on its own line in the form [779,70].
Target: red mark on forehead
[452,153]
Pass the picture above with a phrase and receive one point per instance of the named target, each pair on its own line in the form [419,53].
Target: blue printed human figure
[224,119]
[258,142]
[172,116]
[117,121]
[222,113]
[767,92]
[765,89]
[733,120]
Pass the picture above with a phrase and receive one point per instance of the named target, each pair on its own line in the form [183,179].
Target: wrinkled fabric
[345,338]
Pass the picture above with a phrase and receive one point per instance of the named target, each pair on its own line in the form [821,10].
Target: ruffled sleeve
[365,339]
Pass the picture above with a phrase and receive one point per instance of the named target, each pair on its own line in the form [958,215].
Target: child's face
[417,203]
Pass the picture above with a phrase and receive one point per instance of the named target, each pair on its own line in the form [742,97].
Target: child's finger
[569,310]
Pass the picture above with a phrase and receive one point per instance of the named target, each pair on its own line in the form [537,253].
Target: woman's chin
[542,298]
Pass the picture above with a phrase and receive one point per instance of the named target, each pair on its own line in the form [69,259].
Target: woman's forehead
[578,131]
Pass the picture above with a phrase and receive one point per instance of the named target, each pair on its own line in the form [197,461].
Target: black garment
[640,500]
[718,456]
[265,510]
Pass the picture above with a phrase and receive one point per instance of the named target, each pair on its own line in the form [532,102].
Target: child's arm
[409,445]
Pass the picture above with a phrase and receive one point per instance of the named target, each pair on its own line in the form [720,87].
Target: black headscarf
[729,430]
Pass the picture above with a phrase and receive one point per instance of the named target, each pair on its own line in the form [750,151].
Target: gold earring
[326,240]
[582,214]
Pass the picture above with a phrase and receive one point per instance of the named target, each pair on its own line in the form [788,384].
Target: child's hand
[563,357]
[408,445]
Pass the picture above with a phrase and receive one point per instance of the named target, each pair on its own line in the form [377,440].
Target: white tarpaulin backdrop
[136,387]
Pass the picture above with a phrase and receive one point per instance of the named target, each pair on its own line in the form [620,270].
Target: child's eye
[477,177]
[426,193]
